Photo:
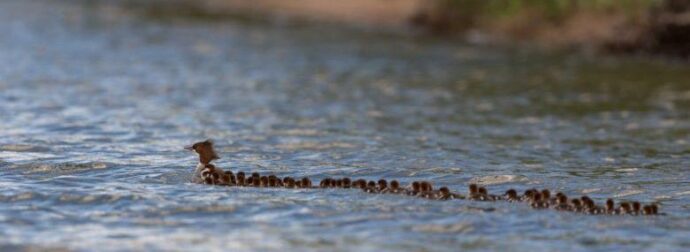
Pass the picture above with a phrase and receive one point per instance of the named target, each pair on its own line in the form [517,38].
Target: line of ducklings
[424,189]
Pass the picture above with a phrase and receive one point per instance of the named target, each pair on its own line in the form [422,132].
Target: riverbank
[630,27]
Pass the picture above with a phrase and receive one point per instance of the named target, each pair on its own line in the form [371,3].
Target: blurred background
[628,26]
[98,98]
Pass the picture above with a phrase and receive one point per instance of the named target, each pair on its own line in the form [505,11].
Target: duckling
[554,201]
[446,194]
[395,187]
[339,183]
[546,196]
[346,182]
[650,209]
[263,181]
[289,182]
[529,194]
[325,183]
[272,181]
[371,187]
[484,194]
[212,175]
[382,185]
[230,177]
[306,182]
[474,192]
[588,205]
[240,179]
[636,208]
[561,202]
[426,190]
[625,208]
[511,195]
[575,205]
[538,202]
[610,207]
[655,209]
[256,180]
[415,189]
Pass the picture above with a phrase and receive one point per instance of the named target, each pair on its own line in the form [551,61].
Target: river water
[97,102]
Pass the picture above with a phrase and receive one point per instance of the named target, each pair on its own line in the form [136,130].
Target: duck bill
[189,148]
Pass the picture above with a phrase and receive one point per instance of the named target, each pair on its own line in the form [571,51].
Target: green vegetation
[554,10]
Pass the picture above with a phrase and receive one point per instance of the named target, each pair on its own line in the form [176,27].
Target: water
[98,101]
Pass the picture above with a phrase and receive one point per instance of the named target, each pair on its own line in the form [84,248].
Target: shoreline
[659,29]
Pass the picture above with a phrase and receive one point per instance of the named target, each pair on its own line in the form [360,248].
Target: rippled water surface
[97,102]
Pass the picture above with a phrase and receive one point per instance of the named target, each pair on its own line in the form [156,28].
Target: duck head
[205,151]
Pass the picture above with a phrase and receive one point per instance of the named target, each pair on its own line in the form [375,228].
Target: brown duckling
[636,208]
[588,205]
[346,182]
[575,205]
[484,194]
[263,181]
[361,184]
[529,194]
[426,190]
[272,181]
[371,187]
[538,202]
[474,193]
[446,194]
[610,207]
[625,208]
[306,182]
[382,185]
[240,179]
[561,202]
[289,182]
[325,183]
[511,195]
[546,195]
[395,187]
[651,209]
[415,189]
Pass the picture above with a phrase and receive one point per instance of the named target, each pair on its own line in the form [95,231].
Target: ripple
[24,148]
[499,179]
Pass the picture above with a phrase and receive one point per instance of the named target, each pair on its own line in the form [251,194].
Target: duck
[206,154]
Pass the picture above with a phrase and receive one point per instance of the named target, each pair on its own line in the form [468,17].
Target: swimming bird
[511,195]
[206,155]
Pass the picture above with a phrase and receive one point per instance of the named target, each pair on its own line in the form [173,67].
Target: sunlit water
[97,103]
